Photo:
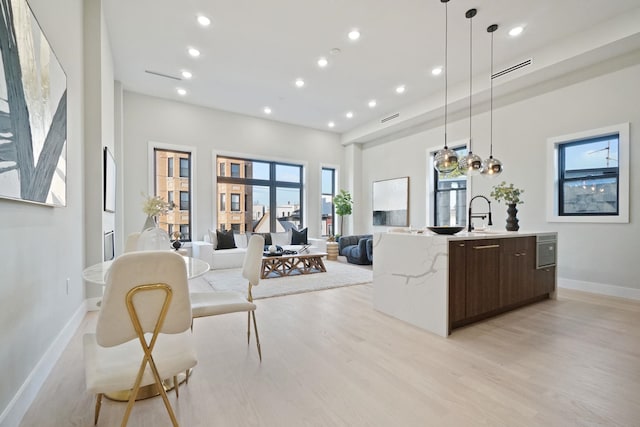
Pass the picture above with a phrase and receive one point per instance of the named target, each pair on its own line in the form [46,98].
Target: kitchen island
[440,282]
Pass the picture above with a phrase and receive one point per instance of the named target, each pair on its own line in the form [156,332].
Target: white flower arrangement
[155,205]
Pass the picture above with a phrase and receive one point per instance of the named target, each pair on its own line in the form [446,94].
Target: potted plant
[344,206]
[511,197]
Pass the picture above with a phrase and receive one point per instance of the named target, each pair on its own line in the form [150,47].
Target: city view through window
[588,176]
[258,196]
[173,184]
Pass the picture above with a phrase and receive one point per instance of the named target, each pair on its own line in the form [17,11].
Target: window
[235,227]
[222,170]
[235,202]
[166,185]
[184,200]
[271,193]
[235,170]
[328,192]
[184,231]
[588,176]
[184,168]
[170,167]
[450,196]
[223,202]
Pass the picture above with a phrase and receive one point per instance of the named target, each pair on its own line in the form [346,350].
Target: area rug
[338,274]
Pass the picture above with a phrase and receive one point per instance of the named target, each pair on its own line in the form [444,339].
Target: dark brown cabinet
[457,281]
[489,276]
[517,265]
[483,276]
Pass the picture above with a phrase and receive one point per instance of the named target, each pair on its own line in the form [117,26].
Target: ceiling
[253,51]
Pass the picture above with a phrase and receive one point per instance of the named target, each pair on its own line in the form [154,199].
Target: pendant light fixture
[445,160]
[471,163]
[491,167]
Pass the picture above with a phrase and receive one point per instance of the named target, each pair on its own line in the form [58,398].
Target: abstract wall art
[391,202]
[33,111]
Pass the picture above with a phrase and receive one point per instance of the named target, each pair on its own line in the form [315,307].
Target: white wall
[153,119]
[599,253]
[43,246]
[99,131]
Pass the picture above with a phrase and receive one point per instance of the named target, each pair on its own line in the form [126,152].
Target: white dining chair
[143,332]
[205,304]
[131,244]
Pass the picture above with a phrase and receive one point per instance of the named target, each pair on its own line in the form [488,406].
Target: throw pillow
[281,239]
[240,240]
[267,238]
[299,237]
[213,238]
[225,239]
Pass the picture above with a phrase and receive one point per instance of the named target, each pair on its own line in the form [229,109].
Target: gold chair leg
[98,404]
[248,327]
[175,385]
[255,327]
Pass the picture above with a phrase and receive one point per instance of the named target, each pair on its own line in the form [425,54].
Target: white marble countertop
[473,235]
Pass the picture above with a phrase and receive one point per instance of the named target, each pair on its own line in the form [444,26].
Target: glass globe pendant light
[491,167]
[471,163]
[445,160]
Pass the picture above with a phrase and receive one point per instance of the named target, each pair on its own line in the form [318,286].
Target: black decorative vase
[512,221]
[176,244]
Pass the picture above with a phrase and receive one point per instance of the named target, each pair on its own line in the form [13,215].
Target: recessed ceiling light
[349,114]
[372,103]
[516,31]
[331,124]
[181,91]
[299,82]
[322,62]
[436,71]
[194,52]
[267,110]
[186,74]
[204,21]
[354,35]
[401,89]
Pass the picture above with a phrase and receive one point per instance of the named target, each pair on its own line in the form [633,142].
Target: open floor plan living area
[319,213]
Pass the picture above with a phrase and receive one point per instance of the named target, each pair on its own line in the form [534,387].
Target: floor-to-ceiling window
[264,196]
[173,188]
[326,203]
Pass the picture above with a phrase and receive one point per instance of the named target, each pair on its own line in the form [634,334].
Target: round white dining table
[98,272]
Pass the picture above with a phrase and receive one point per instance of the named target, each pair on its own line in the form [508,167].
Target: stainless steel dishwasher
[546,247]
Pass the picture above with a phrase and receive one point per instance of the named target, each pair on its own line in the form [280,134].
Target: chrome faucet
[481,215]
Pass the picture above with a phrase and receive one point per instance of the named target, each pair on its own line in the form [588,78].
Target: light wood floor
[331,360]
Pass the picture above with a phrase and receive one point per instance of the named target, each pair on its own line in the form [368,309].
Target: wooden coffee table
[292,265]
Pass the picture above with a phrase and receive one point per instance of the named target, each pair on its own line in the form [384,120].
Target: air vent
[155,73]
[391,117]
[511,69]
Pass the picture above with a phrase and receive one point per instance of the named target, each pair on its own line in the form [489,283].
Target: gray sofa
[357,248]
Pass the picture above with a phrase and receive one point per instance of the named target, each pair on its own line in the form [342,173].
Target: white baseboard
[599,288]
[15,410]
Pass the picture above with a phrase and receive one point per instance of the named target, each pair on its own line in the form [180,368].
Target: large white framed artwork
[391,202]
[33,111]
